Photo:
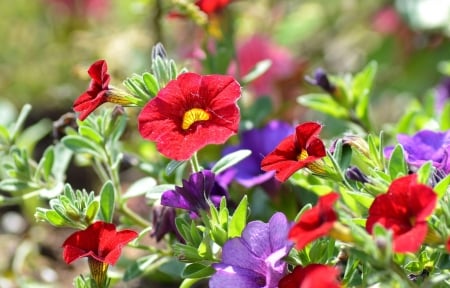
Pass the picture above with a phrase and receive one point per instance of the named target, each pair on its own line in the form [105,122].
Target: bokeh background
[46,47]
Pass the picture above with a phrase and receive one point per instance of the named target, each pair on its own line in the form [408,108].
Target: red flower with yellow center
[404,209]
[316,222]
[296,151]
[190,113]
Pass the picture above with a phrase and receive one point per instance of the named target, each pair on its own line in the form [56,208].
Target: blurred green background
[47,45]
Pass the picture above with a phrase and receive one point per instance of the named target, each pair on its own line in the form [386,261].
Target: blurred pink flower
[80,8]
[256,49]
[387,21]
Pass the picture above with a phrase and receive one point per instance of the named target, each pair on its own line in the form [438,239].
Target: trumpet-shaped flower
[255,259]
[101,243]
[316,222]
[100,92]
[248,171]
[296,151]
[190,113]
[404,209]
[195,193]
[311,276]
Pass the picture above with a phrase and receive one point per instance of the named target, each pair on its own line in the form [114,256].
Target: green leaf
[230,159]
[442,187]
[323,103]
[107,202]
[53,191]
[18,125]
[13,185]
[156,191]
[54,218]
[445,117]
[361,86]
[197,270]
[397,165]
[138,267]
[46,163]
[90,134]
[150,83]
[260,68]
[172,166]
[79,144]
[424,172]
[140,187]
[239,219]
[91,211]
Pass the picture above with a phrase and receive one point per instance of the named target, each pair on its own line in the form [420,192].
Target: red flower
[296,151]
[316,222]
[190,113]
[97,92]
[404,209]
[311,276]
[100,241]
[212,6]
[447,246]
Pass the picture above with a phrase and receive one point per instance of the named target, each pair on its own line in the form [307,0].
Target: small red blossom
[190,113]
[311,276]
[99,241]
[447,245]
[97,92]
[404,209]
[316,222]
[296,151]
[212,6]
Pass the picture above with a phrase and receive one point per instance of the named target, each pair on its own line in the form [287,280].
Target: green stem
[194,163]
[400,272]
[133,216]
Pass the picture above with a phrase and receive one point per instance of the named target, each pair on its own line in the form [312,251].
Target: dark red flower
[97,92]
[404,209]
[316,222]
[296,151]
[100,241]
[311,276]
[212,6]
[190,113]
[447,246]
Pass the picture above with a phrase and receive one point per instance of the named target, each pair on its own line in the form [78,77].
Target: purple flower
[425,146]
[261,141]
[163,222]
[195,193]
[442,93]
[255,259]
[321,80]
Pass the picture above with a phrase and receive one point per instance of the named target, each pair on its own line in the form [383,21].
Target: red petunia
[212,6]
[316,222]
[190,113]
[404,209]
[100,241]
[97,93]
[296,151]
[311,276]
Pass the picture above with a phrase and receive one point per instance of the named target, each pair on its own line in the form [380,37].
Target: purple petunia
[425,146]
[195,193]
[260,141]
[256,258]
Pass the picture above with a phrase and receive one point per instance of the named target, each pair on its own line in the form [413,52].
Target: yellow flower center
[194,115]
[303,155]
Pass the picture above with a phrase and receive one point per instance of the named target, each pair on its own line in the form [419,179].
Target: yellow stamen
[194,115]
[314,166]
